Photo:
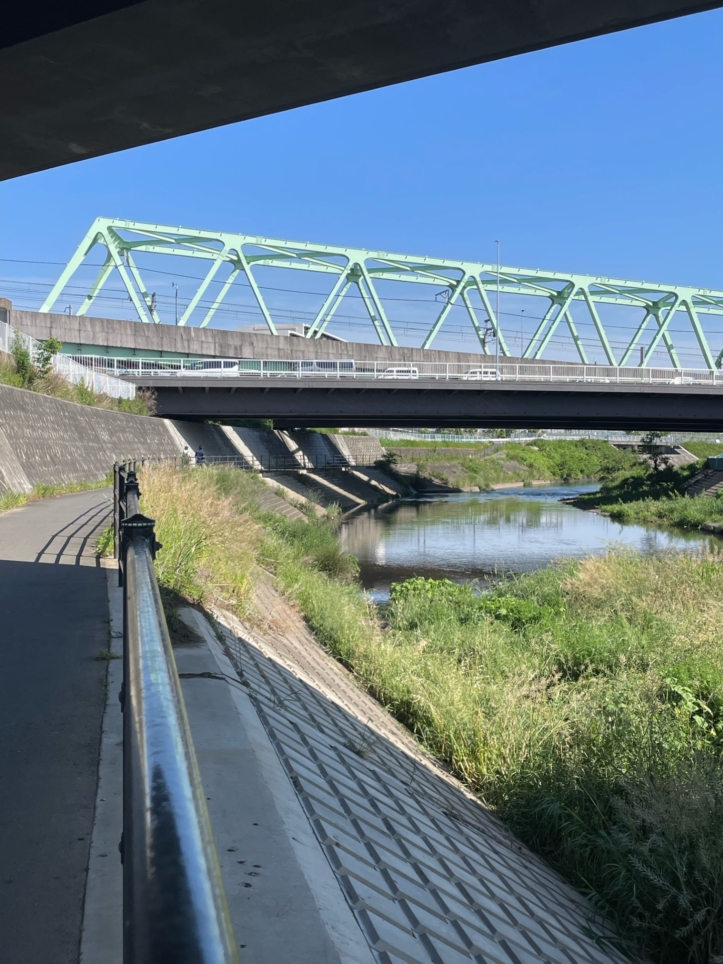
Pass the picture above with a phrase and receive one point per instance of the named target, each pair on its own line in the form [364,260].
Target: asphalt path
[53,625]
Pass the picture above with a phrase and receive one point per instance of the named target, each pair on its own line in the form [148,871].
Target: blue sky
[601,157]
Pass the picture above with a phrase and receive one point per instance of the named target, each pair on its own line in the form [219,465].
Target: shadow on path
[53,626]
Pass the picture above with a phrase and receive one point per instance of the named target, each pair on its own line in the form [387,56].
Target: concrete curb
[101,939]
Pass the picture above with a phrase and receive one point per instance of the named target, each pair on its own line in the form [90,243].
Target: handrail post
[116,510]
[174,905]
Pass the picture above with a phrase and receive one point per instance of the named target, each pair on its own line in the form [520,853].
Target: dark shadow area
[54,621]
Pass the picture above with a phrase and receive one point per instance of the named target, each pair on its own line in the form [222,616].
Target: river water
[475,535]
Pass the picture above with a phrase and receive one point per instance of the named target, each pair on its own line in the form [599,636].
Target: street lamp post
[497,330]
[174,284]
[522,331]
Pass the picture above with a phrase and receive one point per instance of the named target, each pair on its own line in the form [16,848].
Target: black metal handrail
[174,904]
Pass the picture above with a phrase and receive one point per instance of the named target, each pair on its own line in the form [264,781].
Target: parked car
[327,368]
[686,380]
[209,366]
[401,371]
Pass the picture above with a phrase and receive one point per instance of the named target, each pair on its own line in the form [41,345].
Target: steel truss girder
[356,267]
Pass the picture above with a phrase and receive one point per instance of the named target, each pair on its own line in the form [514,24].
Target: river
[475,535]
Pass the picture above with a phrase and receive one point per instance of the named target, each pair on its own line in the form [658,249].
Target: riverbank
[649,497]
[583,702]
[488,465]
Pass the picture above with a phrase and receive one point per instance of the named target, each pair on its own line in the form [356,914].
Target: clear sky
[601,157]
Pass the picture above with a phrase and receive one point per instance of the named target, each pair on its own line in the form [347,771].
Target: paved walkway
[54,623]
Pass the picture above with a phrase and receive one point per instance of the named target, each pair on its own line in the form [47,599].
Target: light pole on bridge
[497,312]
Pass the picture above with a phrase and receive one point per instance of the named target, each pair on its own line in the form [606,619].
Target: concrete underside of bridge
[497,405]
[82,79]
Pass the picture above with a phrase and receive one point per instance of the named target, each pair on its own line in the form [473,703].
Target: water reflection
[474,535]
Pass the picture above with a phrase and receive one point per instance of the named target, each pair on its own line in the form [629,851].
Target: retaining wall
[47,440]
[85,335]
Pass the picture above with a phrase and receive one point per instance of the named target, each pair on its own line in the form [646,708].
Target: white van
[330,369]
[402,371]
[482,374]
[209,366]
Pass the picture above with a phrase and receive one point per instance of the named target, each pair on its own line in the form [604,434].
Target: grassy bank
[12,500]
[646,497]
[584,703]
[20,370]
[484,465]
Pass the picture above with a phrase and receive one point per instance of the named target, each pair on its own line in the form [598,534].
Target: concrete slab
[285,902]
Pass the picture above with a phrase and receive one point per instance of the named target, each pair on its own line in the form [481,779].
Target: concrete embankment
[48,441]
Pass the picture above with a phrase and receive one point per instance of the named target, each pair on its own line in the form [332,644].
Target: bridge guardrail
[174,904]
[343,370]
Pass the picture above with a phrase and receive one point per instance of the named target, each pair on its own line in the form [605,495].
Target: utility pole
[174,284]
[497,339]
[522,332]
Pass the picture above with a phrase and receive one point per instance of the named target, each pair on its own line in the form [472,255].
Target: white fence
[434,438]
[135,368]
[102,382]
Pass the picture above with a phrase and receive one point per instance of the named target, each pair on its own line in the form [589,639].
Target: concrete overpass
[82,79]
[440,403]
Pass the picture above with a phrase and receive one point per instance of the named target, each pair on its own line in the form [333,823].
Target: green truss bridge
[624,322]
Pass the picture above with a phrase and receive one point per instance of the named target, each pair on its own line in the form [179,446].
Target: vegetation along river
[474,535]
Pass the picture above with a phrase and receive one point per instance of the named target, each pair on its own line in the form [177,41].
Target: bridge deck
[433,402]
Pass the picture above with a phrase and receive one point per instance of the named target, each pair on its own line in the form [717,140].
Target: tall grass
[584,703]
[214,534]
[209,539]
[647,497]
[20,372]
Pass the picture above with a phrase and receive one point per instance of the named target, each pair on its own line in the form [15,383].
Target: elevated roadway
[434,402]
[82,79]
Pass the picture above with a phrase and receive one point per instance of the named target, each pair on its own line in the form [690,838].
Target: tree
[45,353]
[23,361]
[650,446]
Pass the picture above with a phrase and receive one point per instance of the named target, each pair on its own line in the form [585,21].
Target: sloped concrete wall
[194,434]
[362,448]
[46,440]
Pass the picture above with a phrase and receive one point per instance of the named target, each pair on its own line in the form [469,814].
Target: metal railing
[282,463]
[70,368]
[550,435]
[174,905]
[485,372]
